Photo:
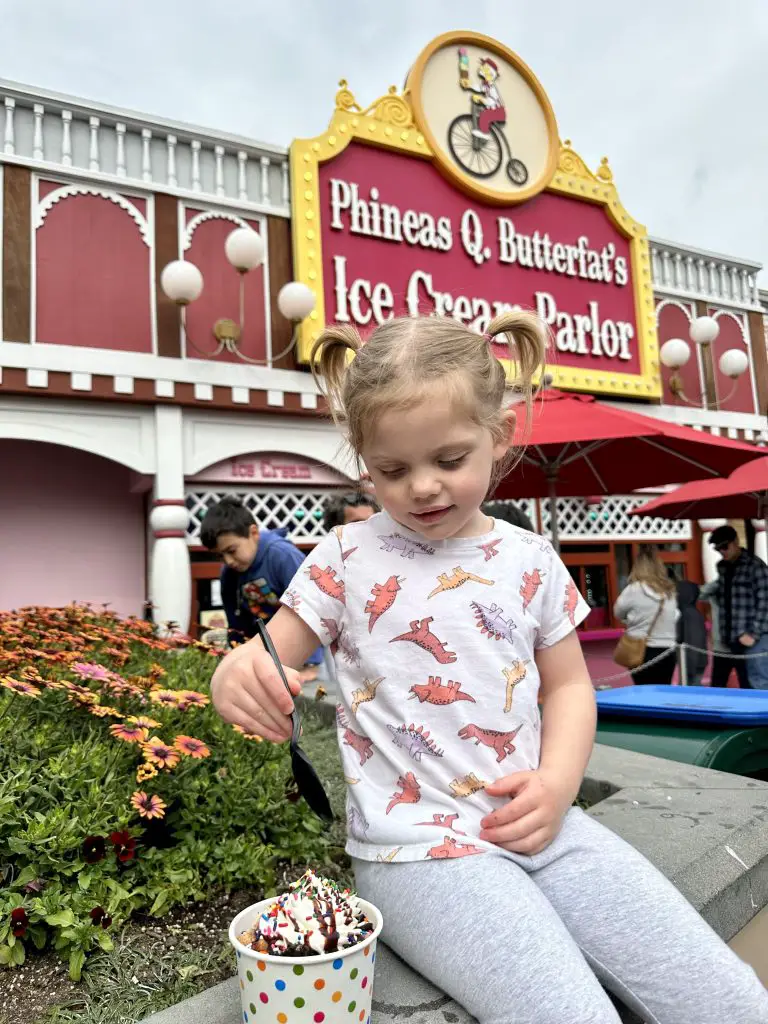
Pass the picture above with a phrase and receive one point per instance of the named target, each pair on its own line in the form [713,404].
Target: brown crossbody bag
[630,650]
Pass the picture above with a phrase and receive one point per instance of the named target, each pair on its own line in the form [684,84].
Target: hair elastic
[488,338]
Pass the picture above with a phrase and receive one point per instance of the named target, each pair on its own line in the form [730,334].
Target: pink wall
[69,529]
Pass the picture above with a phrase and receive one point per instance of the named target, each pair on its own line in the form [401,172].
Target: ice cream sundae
[315,916]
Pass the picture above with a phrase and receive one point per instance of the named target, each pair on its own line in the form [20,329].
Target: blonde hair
[648,568]
[404,357]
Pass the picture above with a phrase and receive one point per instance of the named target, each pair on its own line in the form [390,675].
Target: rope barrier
[677,648]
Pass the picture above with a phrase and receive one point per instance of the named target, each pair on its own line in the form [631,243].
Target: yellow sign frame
[390,123]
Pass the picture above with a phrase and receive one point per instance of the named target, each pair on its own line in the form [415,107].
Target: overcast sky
[675,92]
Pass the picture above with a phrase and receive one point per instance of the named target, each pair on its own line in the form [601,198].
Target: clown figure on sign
[487,104]
[477,140]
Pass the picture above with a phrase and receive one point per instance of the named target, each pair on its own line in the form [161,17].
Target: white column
[170,582]
[761,539]
[709,557]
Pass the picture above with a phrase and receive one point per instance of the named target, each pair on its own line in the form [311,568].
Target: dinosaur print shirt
[434,646]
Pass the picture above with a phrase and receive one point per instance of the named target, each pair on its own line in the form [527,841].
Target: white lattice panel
[300,509]
[610,520]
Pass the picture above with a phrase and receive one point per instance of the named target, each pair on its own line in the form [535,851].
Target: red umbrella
[743,495]
[575,445]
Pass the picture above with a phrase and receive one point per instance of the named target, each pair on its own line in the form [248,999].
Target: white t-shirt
[434,648]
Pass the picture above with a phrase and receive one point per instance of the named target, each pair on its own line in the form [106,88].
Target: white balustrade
[706,277]
[57,133]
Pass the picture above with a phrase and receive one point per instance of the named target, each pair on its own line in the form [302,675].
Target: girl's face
[431,467]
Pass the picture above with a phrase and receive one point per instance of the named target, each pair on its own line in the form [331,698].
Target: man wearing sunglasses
[742,599]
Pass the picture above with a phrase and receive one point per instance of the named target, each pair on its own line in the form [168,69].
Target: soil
[30,992]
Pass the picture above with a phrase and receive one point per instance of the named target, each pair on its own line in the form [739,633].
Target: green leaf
[104,939]
[76,961]
[38,936]
[63,919]
[161,904]
[190,971]
[5,954]
[18,954]
[84,880]
[29,874]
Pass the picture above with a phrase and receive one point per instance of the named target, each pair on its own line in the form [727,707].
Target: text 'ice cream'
[315,916]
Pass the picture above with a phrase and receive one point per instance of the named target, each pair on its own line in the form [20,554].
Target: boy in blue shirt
[258,566]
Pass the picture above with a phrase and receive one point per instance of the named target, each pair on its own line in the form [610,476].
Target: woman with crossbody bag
[648,608]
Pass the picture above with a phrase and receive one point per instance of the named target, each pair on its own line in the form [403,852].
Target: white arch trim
[201,218]
[67,438]
[686,308]
[46,204]
[738,318]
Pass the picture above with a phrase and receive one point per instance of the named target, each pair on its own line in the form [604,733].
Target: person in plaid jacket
[742,599]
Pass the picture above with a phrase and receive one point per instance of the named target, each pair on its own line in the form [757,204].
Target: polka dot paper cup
[330,988]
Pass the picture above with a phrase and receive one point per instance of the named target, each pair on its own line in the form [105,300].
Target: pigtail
[330,365]
[526,337]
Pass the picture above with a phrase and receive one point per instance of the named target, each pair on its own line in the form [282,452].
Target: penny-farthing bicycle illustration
[476,140]
[483,157]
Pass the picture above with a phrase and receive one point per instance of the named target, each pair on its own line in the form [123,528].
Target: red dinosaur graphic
[421,635]
[410,791]
[325,580]
[444,821]
[490,549]
[331,627]
[361,745]
[501,742]
[383,595]
[437,692]
[571,601]
[450,848]
[530,586]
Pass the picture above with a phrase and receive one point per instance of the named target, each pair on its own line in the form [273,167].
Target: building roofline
[707,254]
[134,117]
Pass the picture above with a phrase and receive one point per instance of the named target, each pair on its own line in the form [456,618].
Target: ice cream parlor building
[162,285]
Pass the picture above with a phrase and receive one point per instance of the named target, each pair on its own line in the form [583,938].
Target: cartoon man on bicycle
[477,141]
[485,96]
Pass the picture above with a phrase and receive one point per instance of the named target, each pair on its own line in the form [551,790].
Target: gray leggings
[524,940]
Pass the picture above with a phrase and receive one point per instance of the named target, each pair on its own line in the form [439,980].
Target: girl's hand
[247,691]
[532,818]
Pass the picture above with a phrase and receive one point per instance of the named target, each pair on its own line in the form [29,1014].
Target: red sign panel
[397,238]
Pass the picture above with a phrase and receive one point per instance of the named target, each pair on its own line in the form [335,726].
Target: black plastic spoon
[309,785]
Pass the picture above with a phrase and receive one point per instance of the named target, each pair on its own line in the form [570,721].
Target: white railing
[64,134]
[707,276]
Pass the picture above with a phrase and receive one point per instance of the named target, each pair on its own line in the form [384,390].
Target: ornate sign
[421,204]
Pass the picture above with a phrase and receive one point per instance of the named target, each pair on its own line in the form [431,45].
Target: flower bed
[121,790]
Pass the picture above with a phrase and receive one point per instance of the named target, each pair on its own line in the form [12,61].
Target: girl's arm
[540,799]
[246,687]
[569,714]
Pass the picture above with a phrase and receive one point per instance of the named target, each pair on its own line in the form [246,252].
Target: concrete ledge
[705,830]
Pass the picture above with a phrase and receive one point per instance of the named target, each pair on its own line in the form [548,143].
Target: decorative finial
[604,172]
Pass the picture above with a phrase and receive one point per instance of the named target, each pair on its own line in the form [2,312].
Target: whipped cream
[315,916]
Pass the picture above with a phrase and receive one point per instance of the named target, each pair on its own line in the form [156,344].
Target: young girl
[448,628]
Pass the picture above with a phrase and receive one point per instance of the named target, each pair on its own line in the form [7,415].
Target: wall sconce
[182,282]
[676,352]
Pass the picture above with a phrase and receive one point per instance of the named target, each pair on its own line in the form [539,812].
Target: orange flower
[145,772]
[191,698]
[102,710]
[191,747]
[129,733]
[157,671]
[170,698]
[248,735]
[19,686]
[143,722]
[148,806]
[159,753]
